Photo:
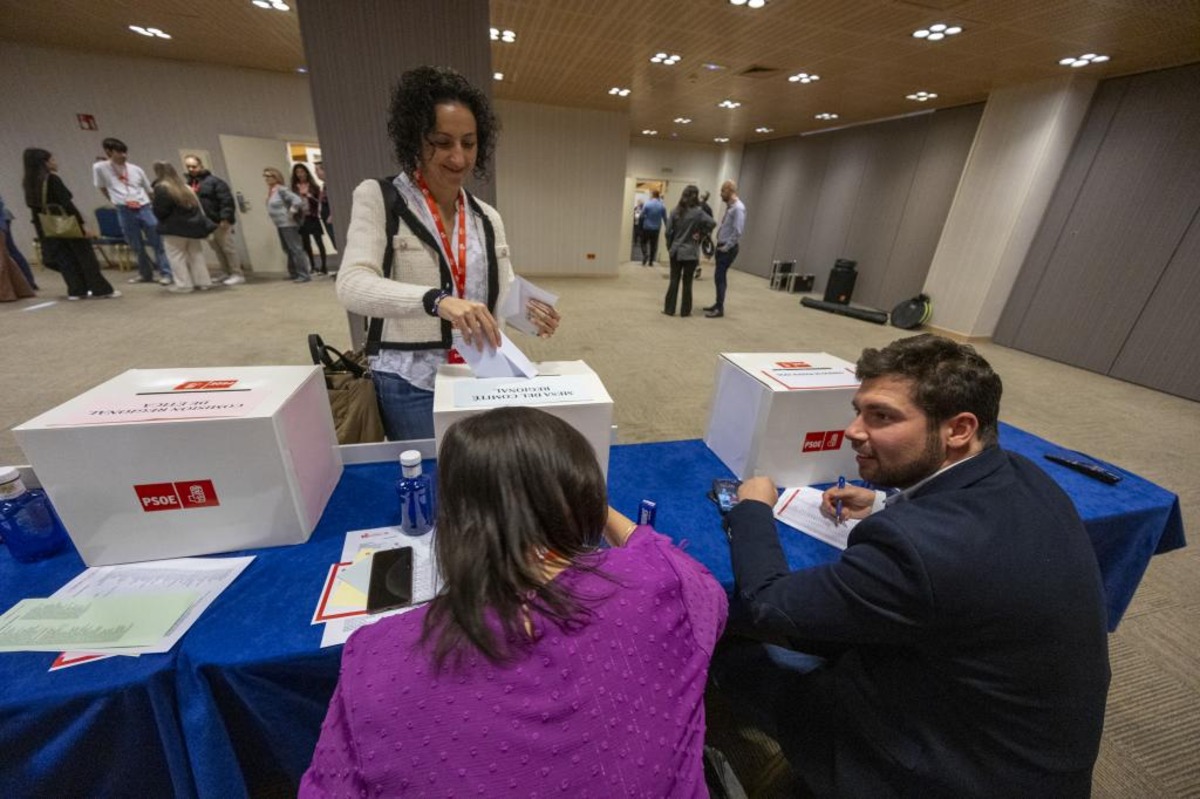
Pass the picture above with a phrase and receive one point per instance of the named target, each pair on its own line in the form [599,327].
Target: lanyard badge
[458,266]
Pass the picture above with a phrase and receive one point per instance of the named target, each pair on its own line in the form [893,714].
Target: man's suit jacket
[968,624]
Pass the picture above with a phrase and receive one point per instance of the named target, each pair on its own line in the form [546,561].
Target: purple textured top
[614,708]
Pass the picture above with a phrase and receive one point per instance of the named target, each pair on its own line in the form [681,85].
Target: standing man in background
[653,215]
[217,201]
[733,222]
[126,186]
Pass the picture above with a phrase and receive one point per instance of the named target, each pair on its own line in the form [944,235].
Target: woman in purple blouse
[548,665]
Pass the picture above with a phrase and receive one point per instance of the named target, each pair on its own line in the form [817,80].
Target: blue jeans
[22,264]
[141,228]
[407,411]
[725,260]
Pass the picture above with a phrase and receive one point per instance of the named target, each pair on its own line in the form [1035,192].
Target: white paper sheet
[206,577]
[801,508]
[507,360]
[514,308]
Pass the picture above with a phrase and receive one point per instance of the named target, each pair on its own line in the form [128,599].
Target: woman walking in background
[686,228]
[309,192]
[73,258]
[183,226]
[285,209]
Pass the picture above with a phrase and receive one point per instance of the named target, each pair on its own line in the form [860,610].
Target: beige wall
[155,106]
[559,186]
[1023,141]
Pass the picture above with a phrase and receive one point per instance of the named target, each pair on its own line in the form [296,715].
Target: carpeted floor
[660,371]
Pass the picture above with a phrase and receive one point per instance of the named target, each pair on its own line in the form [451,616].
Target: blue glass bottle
[417,507]
[28,523]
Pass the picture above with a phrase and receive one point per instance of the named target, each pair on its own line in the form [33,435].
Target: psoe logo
[823,441]
[793,364]
[204,385]
[183,495]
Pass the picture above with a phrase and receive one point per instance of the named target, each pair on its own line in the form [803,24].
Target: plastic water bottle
[417,509]
[28,523]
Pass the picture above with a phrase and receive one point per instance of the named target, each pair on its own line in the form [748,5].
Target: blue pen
[841,484]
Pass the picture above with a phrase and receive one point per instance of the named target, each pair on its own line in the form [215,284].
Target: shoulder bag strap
[397,209]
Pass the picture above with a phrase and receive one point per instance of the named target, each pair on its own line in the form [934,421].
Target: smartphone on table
[724,493]
[390,584]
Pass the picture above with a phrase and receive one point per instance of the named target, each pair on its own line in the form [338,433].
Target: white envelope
[514,308]
[507,360]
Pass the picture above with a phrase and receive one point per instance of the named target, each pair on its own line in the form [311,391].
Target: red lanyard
[458,267]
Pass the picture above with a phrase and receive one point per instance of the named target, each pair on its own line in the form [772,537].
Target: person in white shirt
[126,186]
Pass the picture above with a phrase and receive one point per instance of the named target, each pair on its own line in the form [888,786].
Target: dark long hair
[413,115]
[36,170]
[308,178]
[689,199]
[514,484]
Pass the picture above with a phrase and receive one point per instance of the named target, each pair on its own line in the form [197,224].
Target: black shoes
[714,313]
[708,308]
[668,313]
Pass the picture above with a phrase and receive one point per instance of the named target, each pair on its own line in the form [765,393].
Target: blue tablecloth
[237,706]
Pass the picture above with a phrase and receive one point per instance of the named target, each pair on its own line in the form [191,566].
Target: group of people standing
[688,228]
[163,221]
[300,212]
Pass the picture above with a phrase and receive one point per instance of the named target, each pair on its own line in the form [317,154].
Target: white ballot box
[165,463]
[569,390]
[783,415]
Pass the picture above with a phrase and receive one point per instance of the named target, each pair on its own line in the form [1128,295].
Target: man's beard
[903,475]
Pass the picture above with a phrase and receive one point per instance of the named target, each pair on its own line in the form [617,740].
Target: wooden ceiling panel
[570,52]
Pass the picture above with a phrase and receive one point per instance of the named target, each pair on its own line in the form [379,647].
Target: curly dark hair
[412,116]
[948,378]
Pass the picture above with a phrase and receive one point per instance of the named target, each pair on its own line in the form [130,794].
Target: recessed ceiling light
[730,104]
[261,3]
[764,130]
[152,32]
[935,33]
[683,120]
[618,91]
[921,97]
[665,59]
[497,76]
[721,139]
[506,36]
[302,70]
[713,67]
[803,77]
[748,3]
[827,115]
[1083,60]
[280,6]
[649,132]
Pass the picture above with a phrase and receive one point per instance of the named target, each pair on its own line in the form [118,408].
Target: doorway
[641,195]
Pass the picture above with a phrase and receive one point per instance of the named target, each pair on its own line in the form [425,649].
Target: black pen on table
[837,516]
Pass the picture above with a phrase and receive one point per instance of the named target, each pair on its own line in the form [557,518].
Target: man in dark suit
[962,631]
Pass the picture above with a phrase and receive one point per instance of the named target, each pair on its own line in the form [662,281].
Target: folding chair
[111,235]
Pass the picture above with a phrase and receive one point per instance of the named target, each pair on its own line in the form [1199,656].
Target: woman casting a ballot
[548,665]
[448,264]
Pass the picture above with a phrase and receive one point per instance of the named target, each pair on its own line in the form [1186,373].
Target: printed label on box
[183,495]
[823,441]
[494,392]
